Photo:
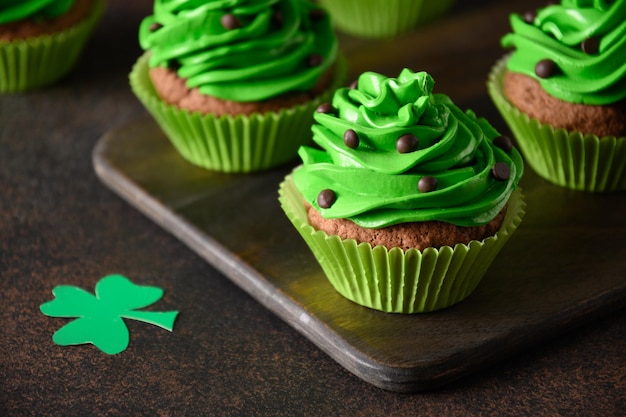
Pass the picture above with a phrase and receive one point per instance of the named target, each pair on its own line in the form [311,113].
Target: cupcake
[383,18]
[562,91]
[408,199]
[41,40]
[234,84]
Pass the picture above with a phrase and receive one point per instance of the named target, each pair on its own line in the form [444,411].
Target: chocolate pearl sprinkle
[326,198]
[325,108]
[590,46]
[316,14]
[504,143]
[427,184]
[501,171]
[545,68]
[529,17]
[229,22]
[155,26]
[314,60]
[407,143]
[278,19]
[351,139]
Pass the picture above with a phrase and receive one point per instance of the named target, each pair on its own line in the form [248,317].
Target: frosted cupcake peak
[241,50]
[575,49]
[389,101]
[394,152]
[15,10]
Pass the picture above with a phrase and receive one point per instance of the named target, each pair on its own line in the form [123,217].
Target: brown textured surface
[173,90]
[406,235]
[527,95]
[228,355]
[254,245]
[30,27]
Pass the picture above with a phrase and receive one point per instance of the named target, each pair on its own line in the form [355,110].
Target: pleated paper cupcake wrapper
[232,144]
[396,281]
[380,19]
[39,61]
[569,159]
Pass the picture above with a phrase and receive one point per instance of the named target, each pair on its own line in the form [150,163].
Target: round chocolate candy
[278,19]
[325,108]
[501,171]
[316,14]
[529,17]
[229,21]
[504,143]
[545,68]
[314,60]
[407,143]
[427,184]
[590,46]
[326,198]
[155,26]
[351,139]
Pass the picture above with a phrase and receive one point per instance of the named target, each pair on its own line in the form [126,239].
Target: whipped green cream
[261,49]
[563,33]
[376,185]
[16,10]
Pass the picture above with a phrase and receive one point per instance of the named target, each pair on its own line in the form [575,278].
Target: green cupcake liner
[395,281]
[569,159]
[39,61]
[232,144]
[380,19]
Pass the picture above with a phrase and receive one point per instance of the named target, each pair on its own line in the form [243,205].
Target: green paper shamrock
[100,317]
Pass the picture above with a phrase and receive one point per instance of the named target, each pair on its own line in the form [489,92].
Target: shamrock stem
[163,319]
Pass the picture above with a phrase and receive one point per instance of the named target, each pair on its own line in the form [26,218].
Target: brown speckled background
[227,356]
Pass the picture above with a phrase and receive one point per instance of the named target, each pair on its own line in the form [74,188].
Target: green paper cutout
[100,317]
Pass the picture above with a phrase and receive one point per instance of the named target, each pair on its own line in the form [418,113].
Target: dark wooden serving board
[565,265]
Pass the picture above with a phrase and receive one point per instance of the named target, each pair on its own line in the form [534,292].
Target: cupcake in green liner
[383,18]
[40,41]
[408,199]
[234,85]
[562,91]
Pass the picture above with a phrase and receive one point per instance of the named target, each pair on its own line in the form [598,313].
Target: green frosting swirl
[16,10]
[557,32]
[271,53]
[376,185]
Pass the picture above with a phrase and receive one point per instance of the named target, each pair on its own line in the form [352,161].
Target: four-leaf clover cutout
[100,317]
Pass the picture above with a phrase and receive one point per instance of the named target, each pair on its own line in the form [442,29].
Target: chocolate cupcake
[409,199]
[234,85]
[384,18]
[40,41]
[563,92]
